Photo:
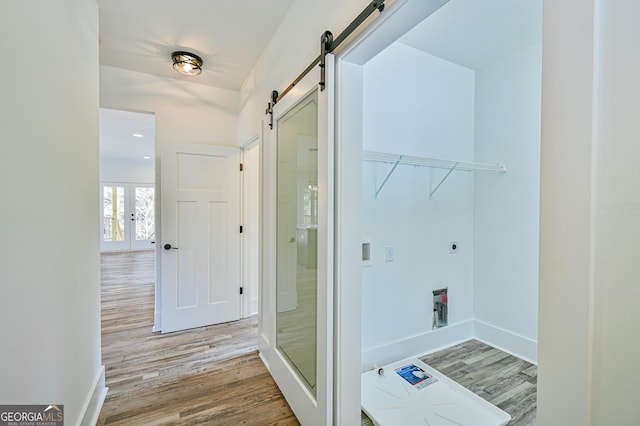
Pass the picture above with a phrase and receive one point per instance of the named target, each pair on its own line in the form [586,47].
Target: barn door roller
[327,45]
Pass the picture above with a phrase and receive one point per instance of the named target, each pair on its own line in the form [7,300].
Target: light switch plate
[389,254]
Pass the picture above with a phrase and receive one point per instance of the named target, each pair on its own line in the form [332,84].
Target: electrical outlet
[454,247]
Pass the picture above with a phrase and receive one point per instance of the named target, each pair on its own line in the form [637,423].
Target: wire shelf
[410,160]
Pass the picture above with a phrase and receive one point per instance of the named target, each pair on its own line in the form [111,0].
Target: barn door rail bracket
[327,45]
[410,160]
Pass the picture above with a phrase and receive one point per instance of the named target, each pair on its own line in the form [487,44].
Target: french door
[128,221]
[296,329]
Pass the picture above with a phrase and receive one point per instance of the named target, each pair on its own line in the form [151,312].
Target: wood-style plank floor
[502,379]
[206,376]
[213,375]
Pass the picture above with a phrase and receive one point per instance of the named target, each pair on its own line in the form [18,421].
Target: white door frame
[397,18]
[250,213]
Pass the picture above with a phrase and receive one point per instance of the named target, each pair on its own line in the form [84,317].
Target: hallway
[210,375]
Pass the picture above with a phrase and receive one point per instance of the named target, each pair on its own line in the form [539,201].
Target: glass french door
[296,337]
[128,216]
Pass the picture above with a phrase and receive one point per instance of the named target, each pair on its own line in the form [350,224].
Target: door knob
[168,247]
[292,240]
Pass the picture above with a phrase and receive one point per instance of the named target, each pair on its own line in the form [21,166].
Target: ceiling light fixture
[186,63]
[138,135]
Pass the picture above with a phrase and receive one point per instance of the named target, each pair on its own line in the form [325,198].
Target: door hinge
[241,229]
[241,290]
[241,167]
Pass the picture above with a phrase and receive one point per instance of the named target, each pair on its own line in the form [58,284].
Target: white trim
[418,344]
[442,338]
[93,404]
[249,143]
[348,232]
[507,341]
[249,300]
[157,321]
[398,18]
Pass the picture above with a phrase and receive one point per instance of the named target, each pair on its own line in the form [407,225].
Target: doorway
[463,79]
[127,180]
[127,216]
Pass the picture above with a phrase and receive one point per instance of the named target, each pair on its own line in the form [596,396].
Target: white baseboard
[420,344]
[433,341]
[514,344]
[94,401]
[265,362]
[157,321]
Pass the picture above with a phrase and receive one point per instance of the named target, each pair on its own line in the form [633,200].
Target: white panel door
[296,321]
[200,219]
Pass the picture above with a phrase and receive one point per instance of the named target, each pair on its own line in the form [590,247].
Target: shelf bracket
[443,179]
[389,175]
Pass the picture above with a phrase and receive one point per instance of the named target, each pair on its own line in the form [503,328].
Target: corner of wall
[507,341]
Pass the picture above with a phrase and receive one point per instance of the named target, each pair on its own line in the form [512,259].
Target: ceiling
[473,33]
[229,35]
[116,135]
[139,35]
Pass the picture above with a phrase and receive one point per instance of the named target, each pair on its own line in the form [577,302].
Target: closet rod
[327,45]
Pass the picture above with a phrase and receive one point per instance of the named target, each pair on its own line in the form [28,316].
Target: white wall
[49,257]
[126,170]
[507,131]
[184,111]
[588,293]
[416,104]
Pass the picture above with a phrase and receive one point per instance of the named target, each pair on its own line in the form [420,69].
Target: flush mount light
[186,63]
[138,135]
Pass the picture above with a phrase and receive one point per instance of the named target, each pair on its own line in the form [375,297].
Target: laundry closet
[451,182]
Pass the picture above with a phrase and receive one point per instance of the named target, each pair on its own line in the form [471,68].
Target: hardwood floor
[502,379]
[206,376]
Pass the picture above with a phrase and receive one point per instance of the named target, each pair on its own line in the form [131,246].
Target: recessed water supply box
[440,308]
